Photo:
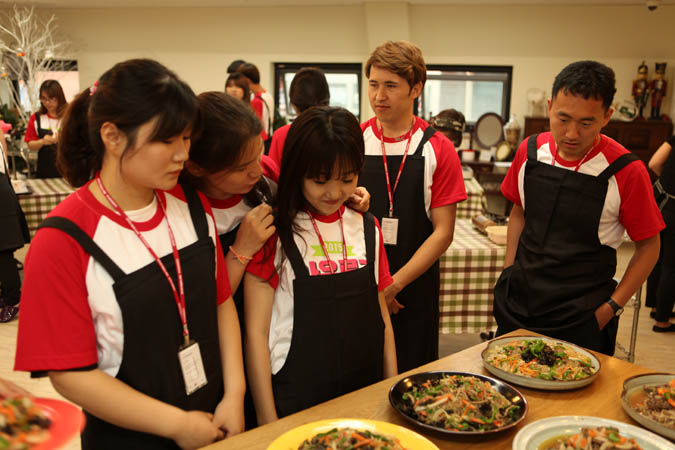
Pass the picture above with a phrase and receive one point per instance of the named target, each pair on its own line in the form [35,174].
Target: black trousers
[9,278]
[661,282]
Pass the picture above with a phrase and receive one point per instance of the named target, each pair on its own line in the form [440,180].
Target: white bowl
[634,384]
[497,234]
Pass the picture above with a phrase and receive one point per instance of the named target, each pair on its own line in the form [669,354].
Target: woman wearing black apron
[43,128]
[14,235]
[316,326]
[132,263]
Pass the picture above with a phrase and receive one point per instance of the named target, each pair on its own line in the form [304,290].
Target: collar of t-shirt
[559,161]
[225,203]
[403,137]
[329,218]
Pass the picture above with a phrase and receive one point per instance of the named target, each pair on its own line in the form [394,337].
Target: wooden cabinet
[641,137]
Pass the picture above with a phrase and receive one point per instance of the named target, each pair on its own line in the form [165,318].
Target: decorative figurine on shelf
[641,89]
[657,87]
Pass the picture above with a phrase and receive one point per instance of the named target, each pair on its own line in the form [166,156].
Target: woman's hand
[255,229]
[49,140]
[390,293]
[229,415]
[197,430]
[359,200]
[9,390]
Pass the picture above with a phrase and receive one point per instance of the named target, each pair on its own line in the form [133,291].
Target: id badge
[390,230]
[192,367]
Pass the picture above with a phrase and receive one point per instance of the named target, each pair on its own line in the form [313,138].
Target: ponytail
[78,159]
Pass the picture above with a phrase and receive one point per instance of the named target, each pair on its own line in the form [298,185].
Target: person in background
[236,85]
[661,282]
[43,128]
[575,193]
[14,235]
[262,101]
[308,88]
[317,283]
[234,65]
[131,262]
[451,123]
[415,179]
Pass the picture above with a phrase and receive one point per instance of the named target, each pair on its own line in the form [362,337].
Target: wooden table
[600,399]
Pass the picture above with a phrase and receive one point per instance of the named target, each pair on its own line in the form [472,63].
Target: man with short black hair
[575,193]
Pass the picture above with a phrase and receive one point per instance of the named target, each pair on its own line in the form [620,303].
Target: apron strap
[618,164]
[197,212]
[87,243]
[662,192]
[293,254]
[37,122]
[532,147]
[369,234]
[430,131]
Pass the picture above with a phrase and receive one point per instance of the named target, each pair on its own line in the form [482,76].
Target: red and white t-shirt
[266,261]
[443,179]
[629,203]
[278,141]
[263,105]
[70,317]
[47,122]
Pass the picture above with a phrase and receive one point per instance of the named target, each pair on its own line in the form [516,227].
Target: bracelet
[241,258]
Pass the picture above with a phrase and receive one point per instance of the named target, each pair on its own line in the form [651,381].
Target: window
[344,82]
[472,90]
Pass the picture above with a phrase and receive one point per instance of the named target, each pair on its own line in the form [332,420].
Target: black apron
[562,273]
[153,330]
[14,232]
[46,162]
[338,332]
[416,325]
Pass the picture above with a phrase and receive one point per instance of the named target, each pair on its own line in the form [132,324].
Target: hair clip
[93,88]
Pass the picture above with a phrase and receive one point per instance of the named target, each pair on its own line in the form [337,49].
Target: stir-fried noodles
[605,438]
[22,424]
[460,403]
[349,438]
[537,359]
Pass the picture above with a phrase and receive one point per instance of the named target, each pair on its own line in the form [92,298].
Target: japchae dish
[350,438]
[537,359]
[22,424]
[459,403]
[599,438]
[656,403]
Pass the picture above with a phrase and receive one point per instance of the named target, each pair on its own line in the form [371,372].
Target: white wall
[538,41]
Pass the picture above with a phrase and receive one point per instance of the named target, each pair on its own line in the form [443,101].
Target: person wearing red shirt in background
[408,163]
[575,192]
[43,128]
[236,86]
[262,102]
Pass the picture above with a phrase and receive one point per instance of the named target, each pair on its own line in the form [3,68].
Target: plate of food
[344,434]
[576,432]
[458,403]
[650,400]
[540,362]
[38,423]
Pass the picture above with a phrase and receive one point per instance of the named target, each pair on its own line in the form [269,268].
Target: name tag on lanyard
[192,367]
[389,229]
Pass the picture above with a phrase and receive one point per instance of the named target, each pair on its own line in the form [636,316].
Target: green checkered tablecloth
[475,203]
[46,194]
[469,271]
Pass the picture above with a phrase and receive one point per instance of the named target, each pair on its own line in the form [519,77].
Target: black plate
[396,399]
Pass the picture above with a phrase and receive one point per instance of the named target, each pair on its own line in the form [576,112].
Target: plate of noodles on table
[650,400]
[585,432]
[38,423]
[540,362]
[347,434]
[458,403]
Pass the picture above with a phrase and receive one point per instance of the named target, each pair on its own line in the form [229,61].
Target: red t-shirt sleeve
[262,264]
[31,131]
[448,182]
[510,184]
[269,166]
[55,296]
[277,146]
[257,104]
[638,212]
[384,279]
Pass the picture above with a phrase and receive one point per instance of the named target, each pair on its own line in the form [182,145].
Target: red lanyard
[400,169]
[179,295]
[323,244]
[576,169]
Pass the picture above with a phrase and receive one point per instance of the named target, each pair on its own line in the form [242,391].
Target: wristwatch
[618,310]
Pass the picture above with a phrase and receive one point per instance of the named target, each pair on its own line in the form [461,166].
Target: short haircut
[450,122]
[309,88]
[250,71]
[234,65]
[587,79]
[239,80]
[53,89]
[402,58]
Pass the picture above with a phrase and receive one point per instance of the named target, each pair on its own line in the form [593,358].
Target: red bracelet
[241,258]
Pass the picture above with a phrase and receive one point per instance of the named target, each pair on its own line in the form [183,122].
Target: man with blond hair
[415,180]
